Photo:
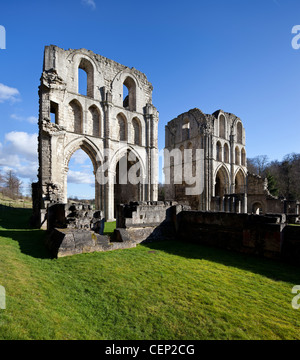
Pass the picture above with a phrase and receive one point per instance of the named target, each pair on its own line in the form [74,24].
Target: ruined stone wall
[261,201]
[221,137]
[268,236]
[147,221]
[69,121]
[252,234]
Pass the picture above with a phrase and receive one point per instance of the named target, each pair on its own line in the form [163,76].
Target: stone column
[108,188]
[109,197]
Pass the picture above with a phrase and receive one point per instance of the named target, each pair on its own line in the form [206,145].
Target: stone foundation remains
[275,236]
[77,229]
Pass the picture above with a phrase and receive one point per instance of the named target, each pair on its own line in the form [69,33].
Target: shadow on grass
[14,224]
[273,269]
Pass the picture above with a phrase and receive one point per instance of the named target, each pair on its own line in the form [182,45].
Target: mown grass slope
[165,290]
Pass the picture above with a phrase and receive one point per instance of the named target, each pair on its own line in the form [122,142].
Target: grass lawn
[165,290]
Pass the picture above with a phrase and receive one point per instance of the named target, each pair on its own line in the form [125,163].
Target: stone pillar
[109,197]
[65,184]
[108,188]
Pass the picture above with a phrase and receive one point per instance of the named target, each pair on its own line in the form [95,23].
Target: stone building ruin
[221,136]
[227,185]
[115,123]
[113,120]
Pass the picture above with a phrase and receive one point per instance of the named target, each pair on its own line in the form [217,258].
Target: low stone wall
[148,221]
[252,234]
[291,244]
[268,236]
[66,242]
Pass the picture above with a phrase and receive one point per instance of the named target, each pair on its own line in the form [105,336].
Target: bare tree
[258,165]
[12,184]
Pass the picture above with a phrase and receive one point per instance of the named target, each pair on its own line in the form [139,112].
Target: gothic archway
[221,182]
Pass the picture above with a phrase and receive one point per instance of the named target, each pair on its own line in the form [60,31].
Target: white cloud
[22,143]
[79,177]
[90,3]
[8,93]
[80,157]
[30,119]
[19,153]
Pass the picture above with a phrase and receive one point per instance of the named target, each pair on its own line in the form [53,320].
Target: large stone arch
[96,158]
[123,190]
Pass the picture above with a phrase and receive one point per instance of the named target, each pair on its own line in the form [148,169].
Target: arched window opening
[86,78]
[219,151]
[129,94]
[54,112]
[136,132]
[81,179]
[125,97]
[226,153]
[82,82]
[239,131]
[186,130]
[237,156]
[75,117]
[122,127]
[222,126]
[243,157]
[93,122]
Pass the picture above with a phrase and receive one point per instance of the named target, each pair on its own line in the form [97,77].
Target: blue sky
[234,55]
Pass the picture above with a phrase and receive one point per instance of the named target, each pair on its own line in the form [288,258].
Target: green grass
[16,203]
[165,290]
[109,228]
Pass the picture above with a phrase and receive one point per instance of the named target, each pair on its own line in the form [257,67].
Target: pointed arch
[226,153]
[88,68]
[237,156]
[75,117]
[240,182]
[88,147]
[96,158]
[221,181]
[239,132]
[129,101]
[122,131]
[94,121]
[244,159]
[186,129]
[222,126]
[137,131]
[218,151]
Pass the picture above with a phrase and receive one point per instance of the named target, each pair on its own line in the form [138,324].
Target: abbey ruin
[111,128]
[116,124]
